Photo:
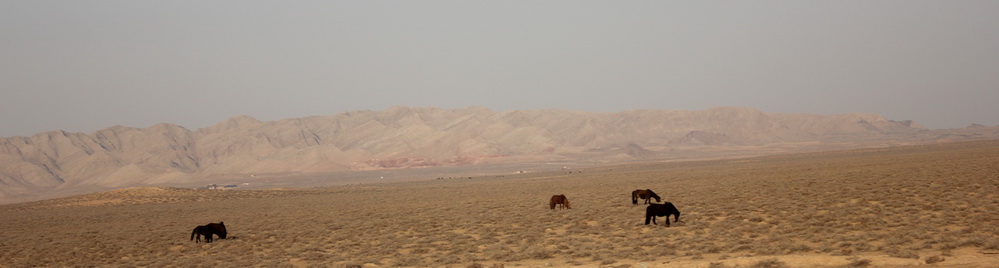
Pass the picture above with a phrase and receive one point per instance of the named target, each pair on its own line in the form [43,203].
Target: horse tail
[195,231]
[634,197]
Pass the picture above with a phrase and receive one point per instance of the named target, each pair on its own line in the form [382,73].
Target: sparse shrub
[448,259]
[769,263]
[408,260]
[313,256]
[717,265]
[740,247]
[580,254]
[947,253]
[856,262]
[666,251]
[766,249]
[499,252]
[948,246]
[349,265]
[795,248]
[275,263]
[905,254]
[536,252]
[934,259]
[991,245]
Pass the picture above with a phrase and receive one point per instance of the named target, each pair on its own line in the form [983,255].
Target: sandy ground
[889,207]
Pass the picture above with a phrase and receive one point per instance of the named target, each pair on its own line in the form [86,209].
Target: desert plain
[924,205]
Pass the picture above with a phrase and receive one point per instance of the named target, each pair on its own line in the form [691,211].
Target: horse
[644,194]
[208,230]
[659,210]
[561,201]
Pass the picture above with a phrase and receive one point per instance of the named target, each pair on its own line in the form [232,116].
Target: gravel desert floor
[928,205]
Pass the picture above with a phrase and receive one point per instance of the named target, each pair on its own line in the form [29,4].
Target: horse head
[219,229]
[222,231]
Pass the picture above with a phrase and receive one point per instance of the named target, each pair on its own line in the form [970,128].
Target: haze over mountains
[405,137]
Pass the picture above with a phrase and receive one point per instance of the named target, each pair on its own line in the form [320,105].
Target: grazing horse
[659,210]
[208,230]
[644,194]
[561,201]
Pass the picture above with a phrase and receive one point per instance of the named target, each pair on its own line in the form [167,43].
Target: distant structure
[217,187]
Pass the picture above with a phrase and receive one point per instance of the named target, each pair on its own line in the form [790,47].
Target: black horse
[208,230]
[644,194]
[660,210]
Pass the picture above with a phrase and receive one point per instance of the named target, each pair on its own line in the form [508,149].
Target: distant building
[217,187]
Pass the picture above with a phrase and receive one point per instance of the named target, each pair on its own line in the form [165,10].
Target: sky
[81,66]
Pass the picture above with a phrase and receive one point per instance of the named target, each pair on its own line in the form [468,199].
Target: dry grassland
[901,206]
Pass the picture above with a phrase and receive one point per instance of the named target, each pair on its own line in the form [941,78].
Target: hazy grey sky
[85,65]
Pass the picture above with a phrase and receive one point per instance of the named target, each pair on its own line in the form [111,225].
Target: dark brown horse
[644,194]
[208,230]
[561,201]
[660,210]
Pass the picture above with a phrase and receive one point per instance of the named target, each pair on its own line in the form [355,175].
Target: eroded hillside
[404,137]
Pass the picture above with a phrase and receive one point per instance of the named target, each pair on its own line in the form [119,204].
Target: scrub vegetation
[913,205]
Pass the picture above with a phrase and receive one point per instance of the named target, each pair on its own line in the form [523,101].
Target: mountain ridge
[409,137]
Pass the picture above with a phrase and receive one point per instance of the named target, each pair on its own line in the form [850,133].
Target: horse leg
[647,219]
